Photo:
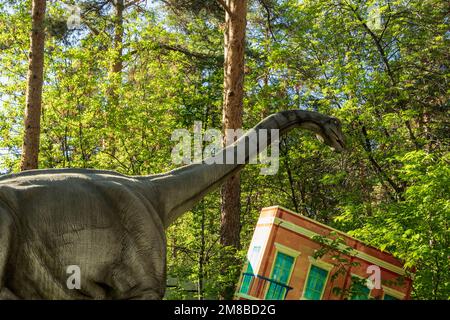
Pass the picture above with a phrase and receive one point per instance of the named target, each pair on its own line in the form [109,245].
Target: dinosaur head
[331,134]
[328,130]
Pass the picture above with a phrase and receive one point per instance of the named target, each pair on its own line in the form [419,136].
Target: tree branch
[225,7]
[368,148]
[132,3]
[269,20]
[187,52]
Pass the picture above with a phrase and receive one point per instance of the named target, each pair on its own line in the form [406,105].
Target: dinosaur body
[110,225]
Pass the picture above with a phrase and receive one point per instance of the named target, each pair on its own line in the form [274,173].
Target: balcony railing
[263,287]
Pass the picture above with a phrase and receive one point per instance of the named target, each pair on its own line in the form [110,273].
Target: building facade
[294,257]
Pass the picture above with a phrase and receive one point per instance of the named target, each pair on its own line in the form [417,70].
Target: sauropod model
[110,225]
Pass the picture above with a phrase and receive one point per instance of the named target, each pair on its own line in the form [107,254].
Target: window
[247,278]
[280,274]
[315,284]
[389,297]
[360,292]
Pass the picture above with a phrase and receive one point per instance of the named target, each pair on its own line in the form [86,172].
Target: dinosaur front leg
[147,295]
[5,247]
[6,294]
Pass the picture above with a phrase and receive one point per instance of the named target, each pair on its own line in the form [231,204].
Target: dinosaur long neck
[179,190]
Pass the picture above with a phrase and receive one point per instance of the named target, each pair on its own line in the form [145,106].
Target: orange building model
[294,257]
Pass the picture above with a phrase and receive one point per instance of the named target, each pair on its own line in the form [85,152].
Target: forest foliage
[386,76]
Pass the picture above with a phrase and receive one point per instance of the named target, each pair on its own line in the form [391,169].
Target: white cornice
[287,250]
[320,263]
[393,292]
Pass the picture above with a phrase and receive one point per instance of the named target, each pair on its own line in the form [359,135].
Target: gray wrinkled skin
[110,225]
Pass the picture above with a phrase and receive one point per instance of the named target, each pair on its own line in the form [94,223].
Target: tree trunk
[35,78]
[115,75]
[234,43]
[235,24]
[201,258]
[117,62]
[118,36]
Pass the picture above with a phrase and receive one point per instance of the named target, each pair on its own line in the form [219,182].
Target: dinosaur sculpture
[110,225]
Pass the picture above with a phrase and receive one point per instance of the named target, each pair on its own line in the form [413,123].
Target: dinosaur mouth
[332,139]
[337,140]
[341,143]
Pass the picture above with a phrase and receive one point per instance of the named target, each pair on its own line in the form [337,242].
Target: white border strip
[246,296]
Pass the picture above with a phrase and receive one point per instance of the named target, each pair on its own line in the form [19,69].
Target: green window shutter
[281,272]
[247,279]
[360,292]
[316,283]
